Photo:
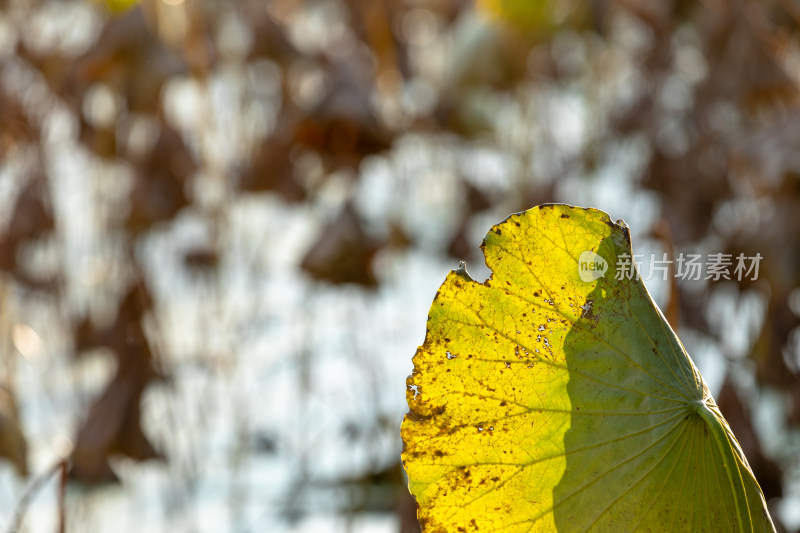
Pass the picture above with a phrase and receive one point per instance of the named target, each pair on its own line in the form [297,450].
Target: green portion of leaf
[556,397]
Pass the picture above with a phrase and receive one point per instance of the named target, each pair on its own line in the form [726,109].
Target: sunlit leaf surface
[555,397]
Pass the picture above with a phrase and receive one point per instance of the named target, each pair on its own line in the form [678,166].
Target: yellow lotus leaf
[118,6]
[556,397]
[541,17]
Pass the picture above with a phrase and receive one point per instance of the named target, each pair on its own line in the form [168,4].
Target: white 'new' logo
[591,266]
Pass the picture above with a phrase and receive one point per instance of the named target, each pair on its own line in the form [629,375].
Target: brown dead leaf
[13,446]
[113,424]
[343,252]
[161,176]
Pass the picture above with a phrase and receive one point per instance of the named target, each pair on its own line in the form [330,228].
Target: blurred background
[222,225]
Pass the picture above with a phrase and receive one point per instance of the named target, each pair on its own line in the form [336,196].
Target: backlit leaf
[555,397]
